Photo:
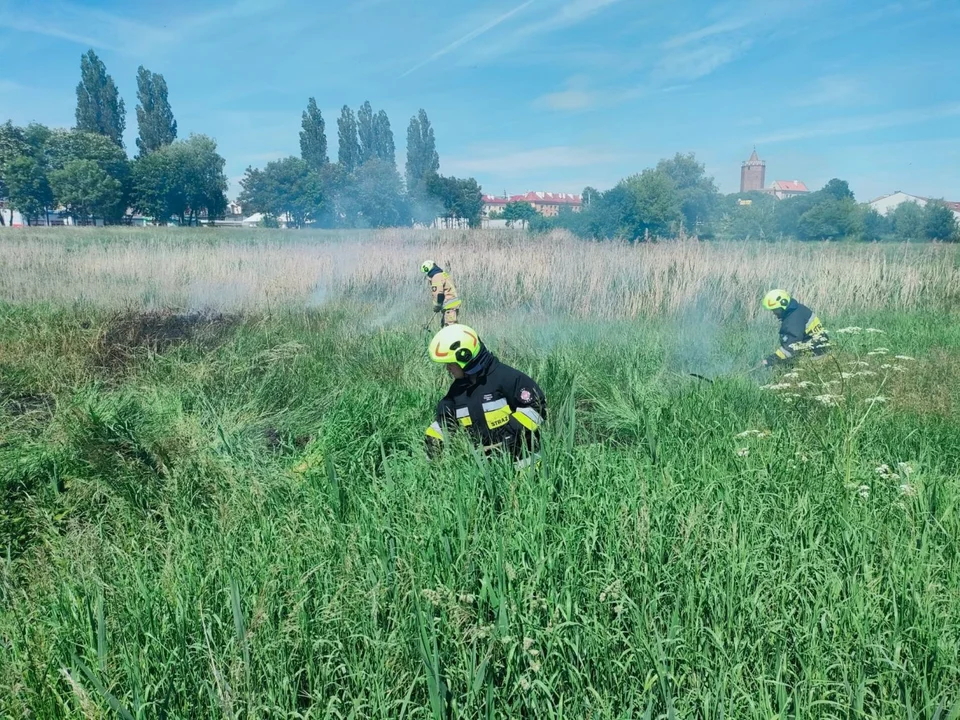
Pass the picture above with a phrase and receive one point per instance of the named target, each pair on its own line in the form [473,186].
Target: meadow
[215,500]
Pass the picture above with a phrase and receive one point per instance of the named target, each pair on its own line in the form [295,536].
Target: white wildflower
[905,468]
[845,375]
[828,400]
[877,399]
[886,366]
[879,351]
[908,490]
[858,363]
[830,383]
[743,452]
[791,376]
[882,469]
[875,331]
[903,357]
[853,330]
[805,384]
[864,491]
[747,433]
[865,373]
[777,386]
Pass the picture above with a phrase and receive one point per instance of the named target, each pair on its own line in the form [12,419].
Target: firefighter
[800,330]
[500,408]
[443,293]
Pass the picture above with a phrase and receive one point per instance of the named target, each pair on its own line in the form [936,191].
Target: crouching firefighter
[443,293]
[800,330]
[499,408]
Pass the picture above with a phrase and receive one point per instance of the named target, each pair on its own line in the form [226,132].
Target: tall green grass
[243,524]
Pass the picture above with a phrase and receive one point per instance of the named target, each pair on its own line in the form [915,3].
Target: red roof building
[788,188]
[549,204]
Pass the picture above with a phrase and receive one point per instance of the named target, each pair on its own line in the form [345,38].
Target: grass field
[215,501]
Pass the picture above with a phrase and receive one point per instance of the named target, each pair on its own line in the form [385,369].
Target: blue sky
[533,94]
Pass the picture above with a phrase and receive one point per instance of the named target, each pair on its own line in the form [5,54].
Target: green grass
[243,524]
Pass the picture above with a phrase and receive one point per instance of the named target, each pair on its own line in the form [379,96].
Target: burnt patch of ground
[129,335]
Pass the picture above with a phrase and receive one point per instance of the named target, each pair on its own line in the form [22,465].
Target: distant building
[783,189]
[492,203]
[549,204]
[885,203]
[753,173]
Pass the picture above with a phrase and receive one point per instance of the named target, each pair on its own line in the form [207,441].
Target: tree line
[86,170]
[363,188]
[677,197]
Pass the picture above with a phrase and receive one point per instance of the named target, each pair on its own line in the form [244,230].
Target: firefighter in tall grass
[443,293]
[800,329]
[501,409]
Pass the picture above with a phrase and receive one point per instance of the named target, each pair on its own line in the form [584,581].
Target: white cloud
[698,62]
[526,161]
[719,28]
[472,35]
[107,31]
[577,96]
[863,123]
[830,90]
[569,14]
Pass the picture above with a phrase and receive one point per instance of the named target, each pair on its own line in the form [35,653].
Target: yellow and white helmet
[427,266]
[776,300]
[455,344]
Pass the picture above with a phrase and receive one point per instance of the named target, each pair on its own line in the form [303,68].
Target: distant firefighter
[443,293]
[499,408]
[800,330]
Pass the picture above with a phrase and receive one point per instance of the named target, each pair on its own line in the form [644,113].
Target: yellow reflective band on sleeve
[496,413]
[451,304]
[528,423]
[782,354]
[435,432]
[463,415]
[814,327]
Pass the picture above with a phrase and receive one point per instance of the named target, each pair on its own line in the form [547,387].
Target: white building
[886,203]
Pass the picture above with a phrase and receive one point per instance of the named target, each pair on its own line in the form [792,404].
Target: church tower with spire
[753,173]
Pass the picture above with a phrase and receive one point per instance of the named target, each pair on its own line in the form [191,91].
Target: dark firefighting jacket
[800,331]
[500,408]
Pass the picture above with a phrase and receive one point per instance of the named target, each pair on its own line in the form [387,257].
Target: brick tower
[753,173]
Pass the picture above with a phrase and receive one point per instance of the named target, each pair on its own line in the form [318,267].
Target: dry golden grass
[496,271]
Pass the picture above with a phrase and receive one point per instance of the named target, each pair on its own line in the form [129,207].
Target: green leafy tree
[377,194]
[939,222]
[907,220]
[65,146]
[349,153]
[656,205]
[283,187]
[589,196]
[522,212]
[206,183]
[12,146]
[386,148]
[366,133]
[699,197]
[313,138]
[100,108]
[159,185]
[423,162]
[460,198]
[874,226]
[157,126]
[838,190]
[85,189]
[28,187]
[830,219]
[748,216]
[184,180]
